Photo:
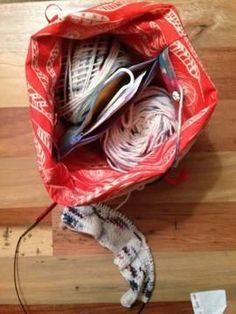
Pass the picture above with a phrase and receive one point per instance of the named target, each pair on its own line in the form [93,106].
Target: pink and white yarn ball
[150,121]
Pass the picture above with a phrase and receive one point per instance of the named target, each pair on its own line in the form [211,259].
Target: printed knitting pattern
[118,234]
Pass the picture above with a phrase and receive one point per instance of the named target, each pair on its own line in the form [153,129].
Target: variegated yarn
[150,121]
[89,63]
[116,232]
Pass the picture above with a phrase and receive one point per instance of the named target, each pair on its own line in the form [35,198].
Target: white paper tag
[209,302]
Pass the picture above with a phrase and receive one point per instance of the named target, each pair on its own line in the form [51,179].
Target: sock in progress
[117,233]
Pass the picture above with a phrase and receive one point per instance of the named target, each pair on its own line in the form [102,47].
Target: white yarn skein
[92,62]
[150,121]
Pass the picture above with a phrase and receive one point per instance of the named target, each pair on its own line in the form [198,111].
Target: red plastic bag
[84,176]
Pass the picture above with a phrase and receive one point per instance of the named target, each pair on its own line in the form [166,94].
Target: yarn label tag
[206,302]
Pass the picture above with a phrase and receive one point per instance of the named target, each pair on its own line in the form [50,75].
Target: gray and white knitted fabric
[118,234]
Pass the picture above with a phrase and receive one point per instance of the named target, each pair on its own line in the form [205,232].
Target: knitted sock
[116,232]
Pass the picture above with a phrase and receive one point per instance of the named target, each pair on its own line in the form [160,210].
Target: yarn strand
[89,62]
[150,121]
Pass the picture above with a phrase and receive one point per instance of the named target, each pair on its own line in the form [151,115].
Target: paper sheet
[209,302]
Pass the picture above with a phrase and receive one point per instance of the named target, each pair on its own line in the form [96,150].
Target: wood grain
[14,96]
[86,279]
[18,141]
[22,217]
[190,227]
[152,308]
[209,27]
[13,222]
[221,66]
[20,184]
[21,181]
[36,243]
[211,139]
[168,227]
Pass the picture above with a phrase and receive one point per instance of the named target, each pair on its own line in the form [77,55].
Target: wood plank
[20,179]
[168,227]
[212,26]
[22,216]
[151,308]
[13,76]
[183,307]
[203,23]
[14,47]
[13,222]
[36,243]
[208,26]
[211,178]
[16,141]
[213,59]
[190,227]
[211,139]
[86,279]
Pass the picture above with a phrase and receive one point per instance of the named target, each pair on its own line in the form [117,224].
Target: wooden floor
[191,227]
